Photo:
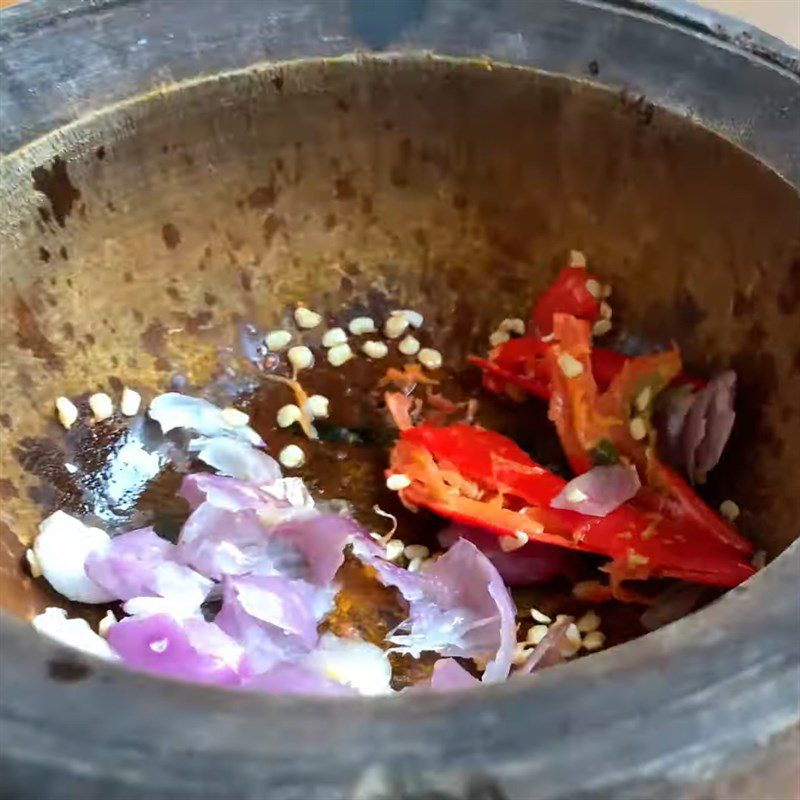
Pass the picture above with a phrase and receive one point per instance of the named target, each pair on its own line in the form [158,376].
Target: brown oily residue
[56,185]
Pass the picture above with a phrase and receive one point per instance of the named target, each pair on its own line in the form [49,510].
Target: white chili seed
[577,259]
[643,399]
[536,634]
[361,325]
[594,640]
[333,337]
[394,549]
[570,366]
[589,622]
[234,417]
[397,482]
[605,310]
[339,354]
[638,428]
[521,653]
[514,541]
[317,406]
[277,340]
[306,318]
[102,406]
[498,337]
[105,623]
[594,288]
[413,551]
[409,346]
[415,564]
[637,560]
[513,325]
[288,415]
[292,456]
[601,327]
[430,358]
[573,640]
[396,325]
[729,510]
[129,402]
[300,357]
[33,563]
[67,412]
[415,319]
[373,349]
[538,616]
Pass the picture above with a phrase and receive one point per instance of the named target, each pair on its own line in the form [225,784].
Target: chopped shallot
[532,563]
[548,652]
[191,649]
[599,491]
[696,427]
[236,458]
[272,617]
[173,410]
[671,605]
[448,675]
[290,678]
[459,606]
[53,622]
[142,564]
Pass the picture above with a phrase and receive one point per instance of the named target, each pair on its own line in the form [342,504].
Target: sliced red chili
[481,478]
[586,418]
[568,294]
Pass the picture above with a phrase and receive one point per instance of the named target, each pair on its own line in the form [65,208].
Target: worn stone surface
[458,187]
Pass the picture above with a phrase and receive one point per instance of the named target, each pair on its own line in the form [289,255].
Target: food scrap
[256,591]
